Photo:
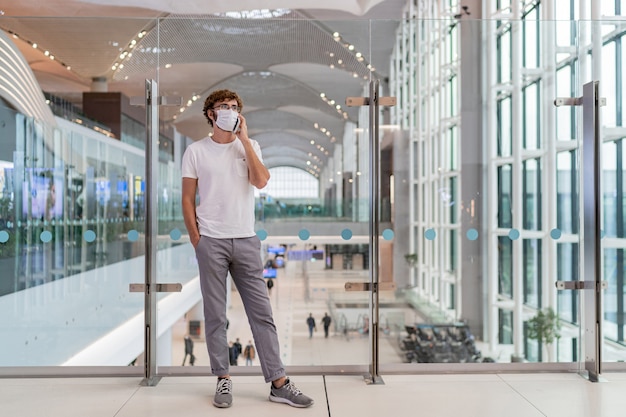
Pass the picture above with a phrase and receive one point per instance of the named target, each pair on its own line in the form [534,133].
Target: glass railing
[479,210]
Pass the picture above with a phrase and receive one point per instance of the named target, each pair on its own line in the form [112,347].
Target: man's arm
[258,175]
[190,186]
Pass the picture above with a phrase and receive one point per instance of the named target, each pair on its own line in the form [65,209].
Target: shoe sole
[286,401]
[222,405]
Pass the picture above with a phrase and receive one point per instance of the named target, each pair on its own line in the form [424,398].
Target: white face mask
[227,119]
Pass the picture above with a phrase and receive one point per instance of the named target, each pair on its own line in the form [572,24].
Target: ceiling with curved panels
[293,65]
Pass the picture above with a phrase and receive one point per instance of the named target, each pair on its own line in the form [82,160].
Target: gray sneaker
[223,393]
[291,395]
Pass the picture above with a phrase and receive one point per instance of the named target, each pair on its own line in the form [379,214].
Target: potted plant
[411,259]
[545,327]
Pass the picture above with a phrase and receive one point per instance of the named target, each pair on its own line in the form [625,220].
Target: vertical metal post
[150,198]
[374,202]
[592,254]
[591,174]
[374,101]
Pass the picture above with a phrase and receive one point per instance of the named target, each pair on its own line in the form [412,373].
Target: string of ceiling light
[43,51]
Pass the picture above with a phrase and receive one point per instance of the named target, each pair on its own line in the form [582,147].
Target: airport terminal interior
[447,191]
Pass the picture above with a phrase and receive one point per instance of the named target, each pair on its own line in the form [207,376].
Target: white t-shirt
[226,207]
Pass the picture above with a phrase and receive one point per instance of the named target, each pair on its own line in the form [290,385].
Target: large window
[290,182]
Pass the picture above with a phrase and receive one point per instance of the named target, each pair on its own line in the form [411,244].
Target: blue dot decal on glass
[175,234]
[514,234]
[261,234]
[472,234]
[555,234]
[346,234]
[4,236]
[89,236]
[304,234]
[430,234]
[133,235]
[388,234]
[45,236]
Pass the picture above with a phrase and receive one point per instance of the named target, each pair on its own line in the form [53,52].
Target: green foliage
[545,326]
[411,259]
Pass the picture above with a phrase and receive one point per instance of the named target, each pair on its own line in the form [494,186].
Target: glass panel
[71,203]
[312,217]
[509,233]
[612,116]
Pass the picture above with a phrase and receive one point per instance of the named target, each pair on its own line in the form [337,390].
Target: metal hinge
[580,285]
[365,101]
[163,101]
[367,286]
[159,287]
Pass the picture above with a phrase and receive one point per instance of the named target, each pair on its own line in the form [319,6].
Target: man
[310,321]
[223,169]
[238,346]
[249,353]
[232,354]
[189,350]
[326,320]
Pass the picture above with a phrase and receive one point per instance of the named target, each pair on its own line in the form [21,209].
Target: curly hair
[217,96]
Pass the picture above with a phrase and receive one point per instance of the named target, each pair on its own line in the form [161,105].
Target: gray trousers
[242,257]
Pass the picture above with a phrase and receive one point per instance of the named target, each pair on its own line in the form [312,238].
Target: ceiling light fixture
[255,14]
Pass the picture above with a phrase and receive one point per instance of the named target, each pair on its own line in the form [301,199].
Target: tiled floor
[492,395]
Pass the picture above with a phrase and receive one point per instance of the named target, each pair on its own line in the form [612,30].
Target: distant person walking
[310,321]
[189,351]
[326,320]
[232,354]
[237,344]
[249,353]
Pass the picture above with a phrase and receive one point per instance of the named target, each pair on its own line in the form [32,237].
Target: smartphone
[237,123]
